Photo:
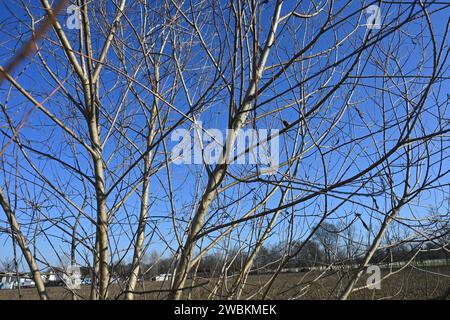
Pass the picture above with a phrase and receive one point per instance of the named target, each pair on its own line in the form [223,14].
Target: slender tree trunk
[197,222]
[140,233]
[240,279]
[101,256]
[373,248]
[217,176]
[21,241]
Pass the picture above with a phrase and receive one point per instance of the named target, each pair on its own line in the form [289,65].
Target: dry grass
[408,284]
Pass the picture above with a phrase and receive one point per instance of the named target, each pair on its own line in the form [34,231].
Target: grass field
[409,283]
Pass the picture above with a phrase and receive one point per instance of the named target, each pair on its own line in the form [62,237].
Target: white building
[163,277]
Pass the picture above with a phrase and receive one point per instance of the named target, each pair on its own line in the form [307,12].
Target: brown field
[411,283]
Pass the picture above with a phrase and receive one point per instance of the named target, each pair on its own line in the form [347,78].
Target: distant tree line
[328,247]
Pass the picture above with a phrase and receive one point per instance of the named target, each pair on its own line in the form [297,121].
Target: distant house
[53,274]
[54,277]
[7,280]
[162,277]
[51,277]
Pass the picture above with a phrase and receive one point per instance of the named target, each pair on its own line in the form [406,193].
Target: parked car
[13,283]
[26,283]
[86,281]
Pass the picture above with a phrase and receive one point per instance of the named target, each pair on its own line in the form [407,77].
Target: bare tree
[97,100]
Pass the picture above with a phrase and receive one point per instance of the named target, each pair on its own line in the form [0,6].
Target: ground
[410,283]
